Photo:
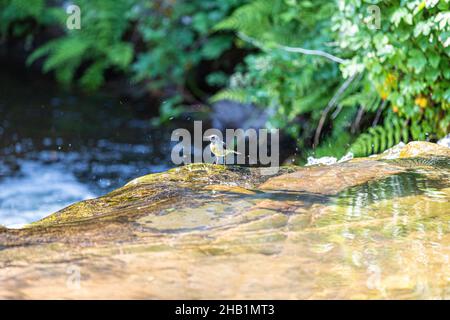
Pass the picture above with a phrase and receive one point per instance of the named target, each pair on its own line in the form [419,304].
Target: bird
[218,147]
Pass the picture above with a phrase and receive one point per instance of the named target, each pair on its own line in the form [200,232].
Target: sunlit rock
[422,148]
[369,228]
[331,179]
[392,153]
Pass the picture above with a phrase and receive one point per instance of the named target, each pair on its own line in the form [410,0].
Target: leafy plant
[98,44]
[177,37]
[407,60]
[322,69]
[156,43]
[399,73]
[292,86]
[21,18]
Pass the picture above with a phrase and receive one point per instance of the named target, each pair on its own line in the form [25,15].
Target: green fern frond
[250,18]
[238,95]
[99,42]
[15,17]
[121,54]
[64,51]
[380,138]
[21,9]
[41,52]
[93,76]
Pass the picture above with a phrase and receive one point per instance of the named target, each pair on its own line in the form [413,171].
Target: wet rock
[391,153]
[330,180]
[414,149]
[363,228]
[226,188]
[149,193]
[422,148]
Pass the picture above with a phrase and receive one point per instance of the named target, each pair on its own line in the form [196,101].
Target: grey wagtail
[218,148]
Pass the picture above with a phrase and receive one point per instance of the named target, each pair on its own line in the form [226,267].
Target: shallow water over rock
[362,229]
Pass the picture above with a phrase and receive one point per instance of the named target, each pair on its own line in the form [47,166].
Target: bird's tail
[232,151]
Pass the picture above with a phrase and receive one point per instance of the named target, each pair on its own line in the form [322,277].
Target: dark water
[58,148]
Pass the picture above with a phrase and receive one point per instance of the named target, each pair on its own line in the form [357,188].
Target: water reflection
[405,184]
[397,230]
[383,239]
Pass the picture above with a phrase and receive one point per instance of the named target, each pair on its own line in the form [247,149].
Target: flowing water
[57,148]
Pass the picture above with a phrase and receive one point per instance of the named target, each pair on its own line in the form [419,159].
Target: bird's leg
[217,160]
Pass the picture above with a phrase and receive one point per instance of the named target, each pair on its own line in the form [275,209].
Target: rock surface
[366,228]
[421,149]
[331,180]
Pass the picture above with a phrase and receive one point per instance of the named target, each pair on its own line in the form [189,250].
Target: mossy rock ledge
[213,231]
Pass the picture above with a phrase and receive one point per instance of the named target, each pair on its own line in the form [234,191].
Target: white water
[36,191]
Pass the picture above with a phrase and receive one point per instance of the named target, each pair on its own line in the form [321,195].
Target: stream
[58,148]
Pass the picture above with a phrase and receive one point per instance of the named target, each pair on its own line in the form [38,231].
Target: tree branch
[379,111]
[321,53]
[330,105]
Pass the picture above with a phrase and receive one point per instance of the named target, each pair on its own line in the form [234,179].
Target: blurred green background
[369,82]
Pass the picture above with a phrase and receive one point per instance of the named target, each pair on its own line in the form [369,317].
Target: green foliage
[158,43]
[379,138]
[177,37]
[395,130]
[406,60]
[238,95]
[98,45]
[19,18]
[320,68]
[293,87]
[399,72]
[337,141]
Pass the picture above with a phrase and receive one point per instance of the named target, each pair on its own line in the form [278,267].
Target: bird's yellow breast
[217,150]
